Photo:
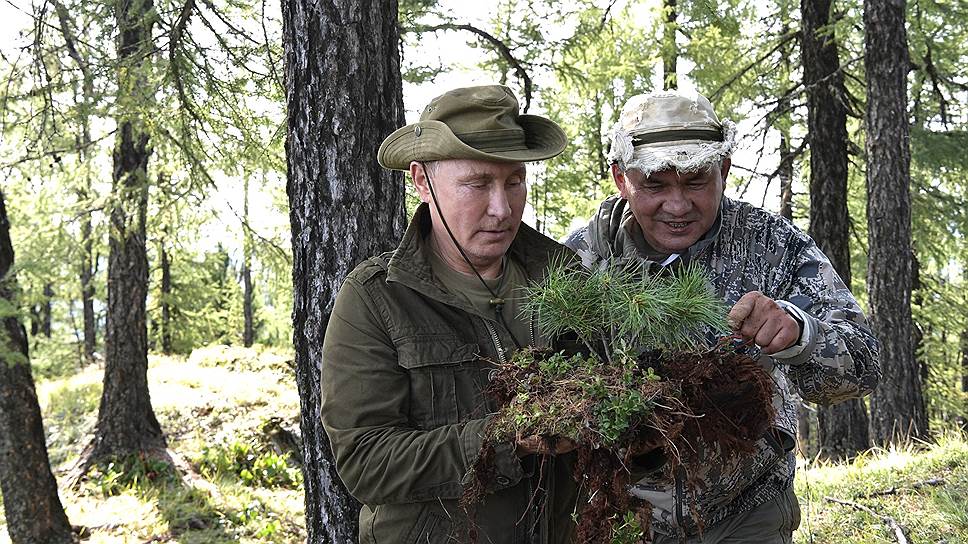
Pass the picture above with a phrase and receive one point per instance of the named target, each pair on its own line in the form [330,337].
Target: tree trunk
[843,428]
[344,95]
[897,406]
[87,270]
[670,51]
[126,421]
[248,331]
[786,176]
[47,310]
[165,298]
[30,502]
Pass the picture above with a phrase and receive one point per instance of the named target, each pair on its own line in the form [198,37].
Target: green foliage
[249,464]
[130,473]
[53,357]
[628,530]
[622,306]
[255,359]
[205,302]
[70,411]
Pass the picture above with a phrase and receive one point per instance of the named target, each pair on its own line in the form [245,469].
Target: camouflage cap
[670,129]
[480,123]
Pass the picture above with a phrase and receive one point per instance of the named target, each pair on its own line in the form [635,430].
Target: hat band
[491,141]
[712,135]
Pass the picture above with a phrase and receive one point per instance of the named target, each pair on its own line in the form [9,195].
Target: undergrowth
[924,488]
[213,407]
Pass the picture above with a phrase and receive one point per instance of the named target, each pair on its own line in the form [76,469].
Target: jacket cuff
[799,352]
[507,466]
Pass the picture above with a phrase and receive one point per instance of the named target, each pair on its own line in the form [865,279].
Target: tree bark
[87,271]
[670,51]
[786,176]
[126,421]
[248,332]
[31,505]
[165,298]
[344,95]
[47,310]
[843,428]
[88,265]
[897,406]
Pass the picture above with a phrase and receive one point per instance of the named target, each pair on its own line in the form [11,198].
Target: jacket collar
[409,265]
[609,232]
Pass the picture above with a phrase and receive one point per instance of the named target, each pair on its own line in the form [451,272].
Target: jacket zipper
[496,340]
[534,339]
[679,498]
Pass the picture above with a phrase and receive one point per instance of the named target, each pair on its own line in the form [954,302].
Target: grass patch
[70,412]
[212,407]
[924,489]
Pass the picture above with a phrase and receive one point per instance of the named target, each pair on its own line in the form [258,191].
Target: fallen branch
[891,523]
[933,482]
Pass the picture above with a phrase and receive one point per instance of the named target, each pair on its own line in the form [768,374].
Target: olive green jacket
[404,368]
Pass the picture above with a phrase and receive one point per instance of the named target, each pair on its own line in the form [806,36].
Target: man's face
[674,209]
[482,202]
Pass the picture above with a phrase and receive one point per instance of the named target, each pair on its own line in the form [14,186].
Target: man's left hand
[759,319]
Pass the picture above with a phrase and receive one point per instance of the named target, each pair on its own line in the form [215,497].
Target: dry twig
[891,523]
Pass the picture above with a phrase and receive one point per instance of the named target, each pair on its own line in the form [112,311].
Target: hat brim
[435,141]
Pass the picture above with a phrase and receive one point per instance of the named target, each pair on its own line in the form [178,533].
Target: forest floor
[228,413]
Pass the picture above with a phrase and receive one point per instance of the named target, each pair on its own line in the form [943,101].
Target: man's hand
[539,444]
[758,318]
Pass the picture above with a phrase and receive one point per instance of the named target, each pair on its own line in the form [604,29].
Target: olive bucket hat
[480,123]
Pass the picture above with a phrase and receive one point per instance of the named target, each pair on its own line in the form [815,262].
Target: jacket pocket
[411,523]
[445,384]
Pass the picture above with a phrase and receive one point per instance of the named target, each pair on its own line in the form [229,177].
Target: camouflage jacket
[749,249]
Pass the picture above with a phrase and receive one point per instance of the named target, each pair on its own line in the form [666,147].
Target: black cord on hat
[495,301]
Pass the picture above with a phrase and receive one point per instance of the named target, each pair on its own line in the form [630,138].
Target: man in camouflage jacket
[670,157]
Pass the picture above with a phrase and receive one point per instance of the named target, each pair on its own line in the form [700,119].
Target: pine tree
[843,428]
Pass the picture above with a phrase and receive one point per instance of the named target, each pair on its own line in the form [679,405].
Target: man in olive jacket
[408,347]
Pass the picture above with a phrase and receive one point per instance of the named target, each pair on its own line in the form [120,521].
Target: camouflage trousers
[773,522]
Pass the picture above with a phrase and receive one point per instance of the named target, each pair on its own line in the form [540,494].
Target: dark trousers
[772,522]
